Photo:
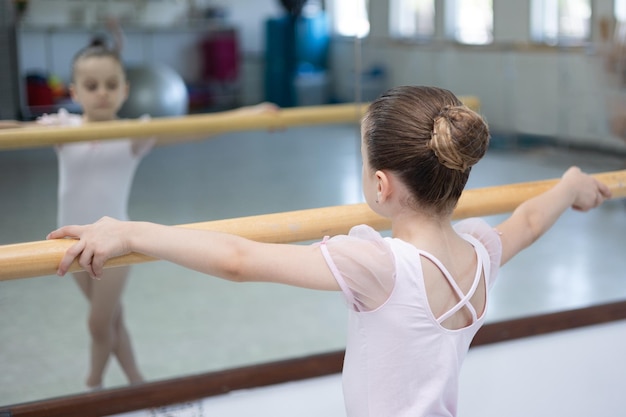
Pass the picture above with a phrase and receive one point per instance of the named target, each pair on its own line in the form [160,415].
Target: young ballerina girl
[415,299]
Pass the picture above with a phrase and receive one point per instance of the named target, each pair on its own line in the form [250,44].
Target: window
[470,21]
[619,8]
[560,21]
[619,31]
[412,19]
[350,17]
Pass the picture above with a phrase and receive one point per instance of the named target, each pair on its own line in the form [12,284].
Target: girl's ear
[383,186]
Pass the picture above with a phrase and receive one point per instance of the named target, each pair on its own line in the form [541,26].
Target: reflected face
[100,87]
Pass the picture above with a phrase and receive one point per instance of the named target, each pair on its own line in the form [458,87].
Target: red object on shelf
[220,56]
[38,92]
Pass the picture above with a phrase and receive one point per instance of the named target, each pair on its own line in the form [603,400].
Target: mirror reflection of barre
[33,259]
[211,123]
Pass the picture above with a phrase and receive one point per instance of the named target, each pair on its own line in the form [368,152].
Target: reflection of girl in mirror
[416,299]
[95,180]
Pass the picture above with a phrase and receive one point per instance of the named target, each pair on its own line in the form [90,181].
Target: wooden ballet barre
[209,123]
[32,259]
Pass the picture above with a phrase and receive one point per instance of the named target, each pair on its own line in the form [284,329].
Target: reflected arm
[264,108]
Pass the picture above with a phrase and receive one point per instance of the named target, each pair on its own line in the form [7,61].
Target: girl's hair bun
[459,138]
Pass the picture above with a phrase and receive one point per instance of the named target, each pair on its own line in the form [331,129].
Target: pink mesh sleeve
[62,118]
[363,265]
[489,237]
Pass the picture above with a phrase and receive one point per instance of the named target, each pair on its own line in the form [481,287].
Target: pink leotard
[400,360]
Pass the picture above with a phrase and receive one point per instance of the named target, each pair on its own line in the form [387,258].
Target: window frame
[337,12]
[395,10]
[541,10]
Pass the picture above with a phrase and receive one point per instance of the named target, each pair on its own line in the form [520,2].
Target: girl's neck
[86,119]
[421,229]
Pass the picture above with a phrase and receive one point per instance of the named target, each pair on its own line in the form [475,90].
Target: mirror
[192,323]
[183,323]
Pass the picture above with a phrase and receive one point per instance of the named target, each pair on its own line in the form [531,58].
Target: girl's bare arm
[223,255]
[535,216]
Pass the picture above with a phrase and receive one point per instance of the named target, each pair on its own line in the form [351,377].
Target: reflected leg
[106,324]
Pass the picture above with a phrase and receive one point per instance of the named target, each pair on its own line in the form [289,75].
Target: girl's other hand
[590,192]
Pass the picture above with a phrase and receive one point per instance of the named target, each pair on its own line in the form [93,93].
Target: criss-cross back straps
[463,298]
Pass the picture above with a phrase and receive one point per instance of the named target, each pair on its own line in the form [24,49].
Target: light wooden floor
[184,323]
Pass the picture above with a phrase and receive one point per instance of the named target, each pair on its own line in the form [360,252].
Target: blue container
[312,40]
[290,45]
[280,61]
